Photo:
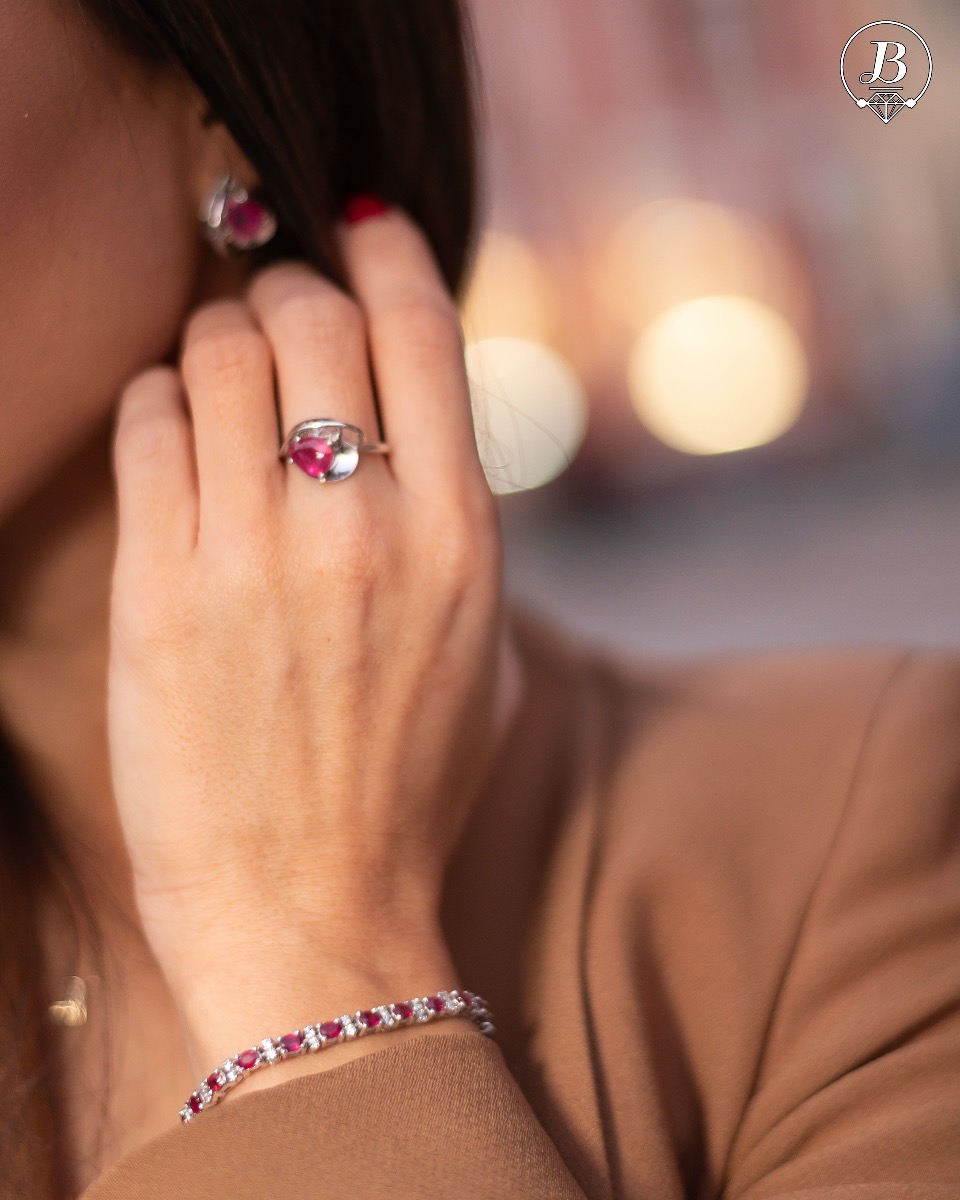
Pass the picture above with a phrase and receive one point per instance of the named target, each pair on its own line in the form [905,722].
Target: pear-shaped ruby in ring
[313,455]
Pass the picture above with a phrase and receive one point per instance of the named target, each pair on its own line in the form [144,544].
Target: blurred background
[714,323]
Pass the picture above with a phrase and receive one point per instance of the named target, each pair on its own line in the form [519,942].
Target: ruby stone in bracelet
[312,1038]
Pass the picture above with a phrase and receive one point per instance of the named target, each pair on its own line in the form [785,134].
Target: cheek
[99,251]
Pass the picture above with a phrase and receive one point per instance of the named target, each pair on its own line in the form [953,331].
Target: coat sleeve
[858,1091]
[431,1117]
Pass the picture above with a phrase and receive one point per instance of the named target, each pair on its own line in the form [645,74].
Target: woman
[291,755]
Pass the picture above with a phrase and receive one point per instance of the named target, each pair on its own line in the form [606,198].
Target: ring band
[326,449]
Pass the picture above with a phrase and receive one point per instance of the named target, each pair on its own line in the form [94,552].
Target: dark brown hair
[328,99]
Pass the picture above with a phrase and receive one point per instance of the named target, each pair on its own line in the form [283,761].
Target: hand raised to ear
[303,674]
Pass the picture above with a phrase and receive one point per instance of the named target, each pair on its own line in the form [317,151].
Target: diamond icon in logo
[886,105]
[899,68]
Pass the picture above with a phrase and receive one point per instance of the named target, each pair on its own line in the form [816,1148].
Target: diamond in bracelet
[315,1037]
[387,1015]
[231,1071]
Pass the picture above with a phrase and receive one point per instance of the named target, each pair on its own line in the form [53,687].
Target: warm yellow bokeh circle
[718,374]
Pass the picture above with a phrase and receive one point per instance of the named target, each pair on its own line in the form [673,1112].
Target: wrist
[414,1017]
[249,1003]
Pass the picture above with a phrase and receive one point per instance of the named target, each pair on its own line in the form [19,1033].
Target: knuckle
[279,278]
[156,625]
[360,547]
[464,553]
[274,273]
[315,318]
[358,555]
[151,384]
[250,574]
[428,324]
[225,356]
[145,438]
[147,426]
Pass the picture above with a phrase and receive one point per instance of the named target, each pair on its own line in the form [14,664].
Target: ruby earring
[233,221]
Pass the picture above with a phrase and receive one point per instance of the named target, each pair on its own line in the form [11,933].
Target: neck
[56,565]
[57,554]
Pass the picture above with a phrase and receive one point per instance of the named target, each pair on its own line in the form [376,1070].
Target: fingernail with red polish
[359,208]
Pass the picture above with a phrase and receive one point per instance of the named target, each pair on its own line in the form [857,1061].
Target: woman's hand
[302,674]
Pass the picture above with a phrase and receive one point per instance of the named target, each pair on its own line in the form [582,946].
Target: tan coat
[715,909]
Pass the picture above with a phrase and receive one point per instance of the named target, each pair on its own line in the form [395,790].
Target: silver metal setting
[272,1050]
[345,440]
[224,240]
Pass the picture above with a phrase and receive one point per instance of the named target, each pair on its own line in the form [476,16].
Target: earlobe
[223,179]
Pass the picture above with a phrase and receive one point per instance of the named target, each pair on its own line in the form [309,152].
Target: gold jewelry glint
[72,1009]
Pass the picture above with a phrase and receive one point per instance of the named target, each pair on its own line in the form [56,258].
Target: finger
[227,366]
[155,471]
[319,340]
[416,347]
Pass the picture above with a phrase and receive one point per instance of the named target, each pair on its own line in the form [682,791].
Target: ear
[213,152]
[209,153]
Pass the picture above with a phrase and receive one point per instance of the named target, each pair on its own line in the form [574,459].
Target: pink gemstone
[313,455]
[195,1103]
[330,1029]
[370,1019]
[291,1043]
[467,998]
[403,1009]
[435,1004]
[214,1082]
[245,218]
[248,1059]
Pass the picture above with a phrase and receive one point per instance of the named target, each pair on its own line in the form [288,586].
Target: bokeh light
[718,374]
[529,409]
[510,293]
[669,251]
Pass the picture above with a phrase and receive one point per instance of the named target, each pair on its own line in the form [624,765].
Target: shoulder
[780,732]
[775,888]
[751,759]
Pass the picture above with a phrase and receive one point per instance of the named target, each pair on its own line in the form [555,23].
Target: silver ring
[326,449]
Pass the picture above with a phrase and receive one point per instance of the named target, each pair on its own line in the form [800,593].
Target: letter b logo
[875,69]
[882,59]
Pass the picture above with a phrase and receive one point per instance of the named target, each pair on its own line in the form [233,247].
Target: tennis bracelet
[312,1038]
